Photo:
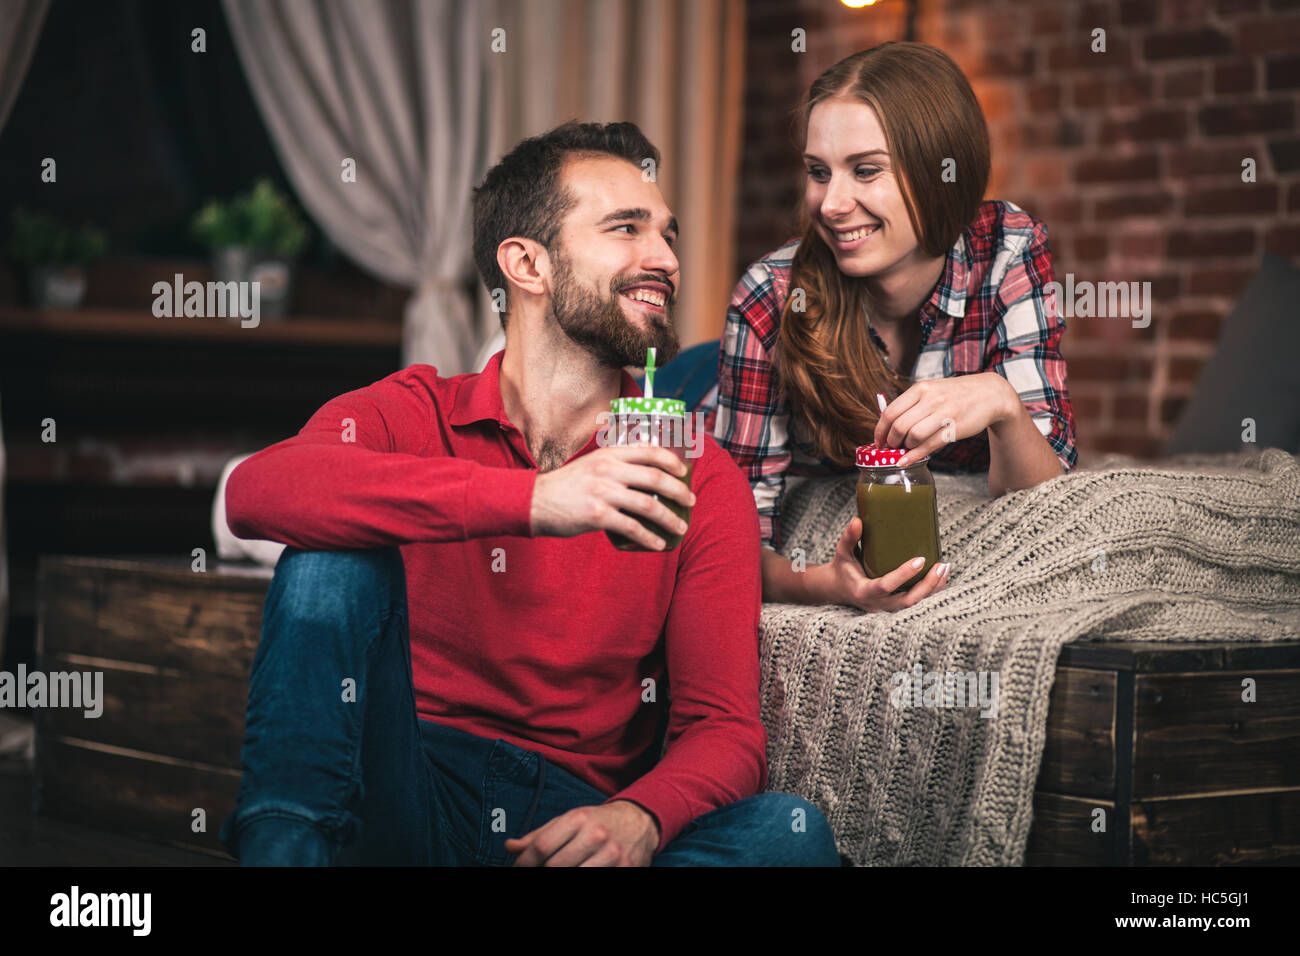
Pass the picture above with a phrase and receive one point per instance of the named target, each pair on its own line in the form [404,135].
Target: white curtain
[20,28]
[673,67]
[398,87]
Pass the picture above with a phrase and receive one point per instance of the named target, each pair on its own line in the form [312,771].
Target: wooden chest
[175,647]
[1152,740]
[1157,741]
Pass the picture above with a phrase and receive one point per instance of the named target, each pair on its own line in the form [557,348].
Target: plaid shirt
[988,313]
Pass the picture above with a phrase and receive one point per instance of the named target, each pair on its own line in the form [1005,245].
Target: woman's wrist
[1008,406]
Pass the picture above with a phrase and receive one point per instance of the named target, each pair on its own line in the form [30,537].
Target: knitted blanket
[1191,549]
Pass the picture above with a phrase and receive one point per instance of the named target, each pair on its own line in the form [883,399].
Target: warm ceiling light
[855,4]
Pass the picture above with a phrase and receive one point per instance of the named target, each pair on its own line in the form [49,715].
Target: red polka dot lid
[874,456]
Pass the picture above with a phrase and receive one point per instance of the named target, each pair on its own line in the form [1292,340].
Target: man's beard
[600,325]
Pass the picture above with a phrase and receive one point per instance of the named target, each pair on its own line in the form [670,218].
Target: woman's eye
[818,175]
[867,170]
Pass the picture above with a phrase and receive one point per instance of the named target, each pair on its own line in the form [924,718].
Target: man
[456,666]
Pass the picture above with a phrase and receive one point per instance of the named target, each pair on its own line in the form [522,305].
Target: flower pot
[231,263]
[274,276]
[57,287]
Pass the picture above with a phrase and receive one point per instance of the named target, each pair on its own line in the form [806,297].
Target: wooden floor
[29,840]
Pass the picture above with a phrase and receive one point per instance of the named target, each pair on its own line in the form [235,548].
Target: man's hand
[592,494]
[618,833]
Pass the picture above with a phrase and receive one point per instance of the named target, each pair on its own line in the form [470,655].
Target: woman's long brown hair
[825,359]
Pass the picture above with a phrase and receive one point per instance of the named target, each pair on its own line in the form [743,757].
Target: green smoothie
[899,522]
[682,511]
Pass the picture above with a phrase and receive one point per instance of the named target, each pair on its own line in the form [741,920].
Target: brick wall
[1132,157]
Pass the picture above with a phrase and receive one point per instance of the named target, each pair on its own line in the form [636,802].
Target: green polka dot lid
[647,404]
[641,405]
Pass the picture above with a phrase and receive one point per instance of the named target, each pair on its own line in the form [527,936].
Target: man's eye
[626,225]
[671,240]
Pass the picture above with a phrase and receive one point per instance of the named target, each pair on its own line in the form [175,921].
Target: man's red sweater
[548,643]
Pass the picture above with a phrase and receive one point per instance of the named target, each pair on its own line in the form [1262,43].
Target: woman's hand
[845,582]
[940,411]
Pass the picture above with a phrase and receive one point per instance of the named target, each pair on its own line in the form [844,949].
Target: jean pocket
[510,785]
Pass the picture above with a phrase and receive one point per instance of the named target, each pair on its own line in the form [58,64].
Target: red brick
[1165,288]
[1069,211]
[1183,84]
[1186,11]
[1131,205]
[1046,171]
[1283,240]
[1001,61]
[1137,12]
[1242,199]
[1211,243]
[1208,161]
[1221,280]
[1142,246]
[1285,154]
[1132,89]
[1247,118]
[1185,43]
[1235,76]
[1090,248]
[1164,124]
[1282,72]
[1086,407]
[1198,326]
[1078,55]
[1130,407]
[1110,369]
[1044,96]
[1045,21]
[1269,35]
[1113,169]
[1090,91]
[1068,133]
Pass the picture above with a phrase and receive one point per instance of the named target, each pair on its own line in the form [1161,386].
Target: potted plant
[56,256]
[254,238]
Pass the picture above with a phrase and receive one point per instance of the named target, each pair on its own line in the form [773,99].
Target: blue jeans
[327,780]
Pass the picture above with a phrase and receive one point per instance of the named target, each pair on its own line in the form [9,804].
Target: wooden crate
[1158,737]
[1155,735]
[176,647]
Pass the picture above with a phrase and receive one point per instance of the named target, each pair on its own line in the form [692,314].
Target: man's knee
[310,583]
[798,833]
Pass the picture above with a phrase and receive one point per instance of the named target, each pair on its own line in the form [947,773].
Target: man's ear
[525,264]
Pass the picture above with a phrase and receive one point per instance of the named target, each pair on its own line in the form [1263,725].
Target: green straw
[650,373]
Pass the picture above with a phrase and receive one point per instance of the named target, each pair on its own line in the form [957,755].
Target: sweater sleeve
[716,745]
[368,470]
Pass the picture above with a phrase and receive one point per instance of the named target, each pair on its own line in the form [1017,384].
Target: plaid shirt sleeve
[1024,347]
[752,416]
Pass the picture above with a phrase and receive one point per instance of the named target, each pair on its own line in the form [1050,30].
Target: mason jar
[900,517]
[637,420]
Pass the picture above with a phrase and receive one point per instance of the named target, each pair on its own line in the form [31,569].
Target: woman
[903,284]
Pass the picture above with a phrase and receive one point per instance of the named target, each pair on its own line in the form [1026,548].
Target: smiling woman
[910,313]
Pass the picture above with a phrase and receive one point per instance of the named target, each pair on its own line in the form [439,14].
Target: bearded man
[456,666]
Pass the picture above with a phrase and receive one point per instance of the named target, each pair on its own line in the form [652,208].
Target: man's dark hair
[523,196]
